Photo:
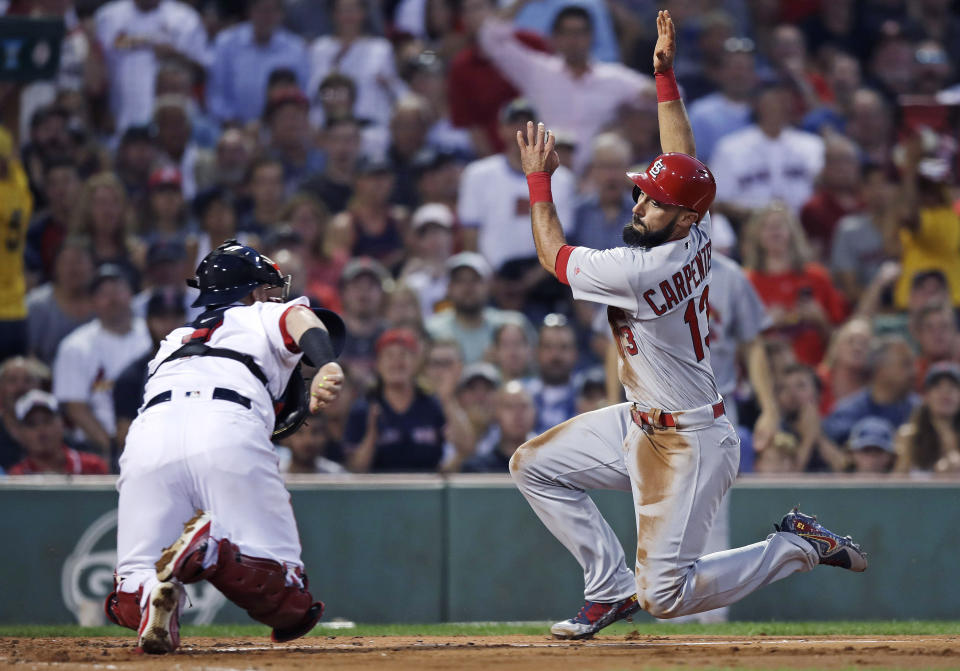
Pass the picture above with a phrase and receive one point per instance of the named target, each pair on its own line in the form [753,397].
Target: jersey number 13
[691,317]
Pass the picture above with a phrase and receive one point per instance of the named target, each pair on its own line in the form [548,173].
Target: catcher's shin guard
[123,608]
[259,586]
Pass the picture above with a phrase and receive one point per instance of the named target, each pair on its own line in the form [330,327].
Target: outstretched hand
[666,47]
[537,153]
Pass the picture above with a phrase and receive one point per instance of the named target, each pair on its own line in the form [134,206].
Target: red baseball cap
[165,176]
[677,179]
[398,336]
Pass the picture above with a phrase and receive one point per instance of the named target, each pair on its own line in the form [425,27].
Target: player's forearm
[676,134]
[82,416]
[547,234]
[761,377]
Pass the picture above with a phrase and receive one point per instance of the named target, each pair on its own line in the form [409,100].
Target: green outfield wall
[465,548]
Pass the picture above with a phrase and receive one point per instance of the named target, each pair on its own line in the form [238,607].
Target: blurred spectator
[476,90]
[104,217]
[409,124]
[402,309]
[217,222]
[18,375]
[426,76]
[728,110]
[845,369]
[171,119]
[292,140]
[398,427]
[265,185]
[737,321]
[930,228]
[832,30]
[442,367]
[927,288]
[892,64]
[48,228]
[165,219]
[553,390]
[43,438]
[437,177]
[551,82]
[166,269]
[541,16]
[308,218]
[871,445]
[362,289]
[837,194]
[889,395]
[165,312]
[16,206]
[514,418]
[931,71]
[494,206]
[244,55]
[334,186]
[177,79]
[475,393]
[814,449]
[787,51]
[228,166]
[306,450]
[89,360]
[135,36]
[469,320]
[337,95]
[931,439]
[366,59]
[591,391]
[431,242]
[768,160]
[600,216]
[637,122]
[863,239]
[370,226]
[799,296]
[58,307]
[512,351]
[134,161]
[843,79]
[934,330]
[49,141]
[870,125]
[440,375]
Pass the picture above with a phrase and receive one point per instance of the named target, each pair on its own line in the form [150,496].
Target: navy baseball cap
[939,371]
[872,432]
[166,302]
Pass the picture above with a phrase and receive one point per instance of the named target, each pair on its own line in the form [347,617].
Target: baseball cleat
[184,558]
[159,631]
[593,617]
[832,549]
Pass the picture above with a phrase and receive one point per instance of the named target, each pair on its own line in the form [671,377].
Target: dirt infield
[500,652]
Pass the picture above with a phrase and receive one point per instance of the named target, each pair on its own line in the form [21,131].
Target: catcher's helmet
[677,179]
[231,271]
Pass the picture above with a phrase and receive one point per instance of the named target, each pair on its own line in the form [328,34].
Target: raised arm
[539,160]
[676,135]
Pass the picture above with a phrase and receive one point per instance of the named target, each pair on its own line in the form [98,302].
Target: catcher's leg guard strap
[259,586]
[123,608]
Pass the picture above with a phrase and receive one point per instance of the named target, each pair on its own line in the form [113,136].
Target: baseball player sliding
[670,444]
[200,453]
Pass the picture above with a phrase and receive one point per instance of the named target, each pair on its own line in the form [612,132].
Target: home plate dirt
[632,651]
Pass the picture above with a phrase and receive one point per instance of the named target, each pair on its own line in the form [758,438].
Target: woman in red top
[798,295]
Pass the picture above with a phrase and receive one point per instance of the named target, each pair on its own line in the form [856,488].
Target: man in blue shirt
[243,58]
[599,216]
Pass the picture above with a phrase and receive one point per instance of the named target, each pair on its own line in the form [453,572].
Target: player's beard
[632,237]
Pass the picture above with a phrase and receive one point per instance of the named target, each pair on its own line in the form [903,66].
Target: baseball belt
[697,418]
[219,394]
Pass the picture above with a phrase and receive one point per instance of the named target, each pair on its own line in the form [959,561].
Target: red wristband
[539,185]
[667,89]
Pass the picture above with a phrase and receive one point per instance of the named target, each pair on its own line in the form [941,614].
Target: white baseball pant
[192,453]
[678,478]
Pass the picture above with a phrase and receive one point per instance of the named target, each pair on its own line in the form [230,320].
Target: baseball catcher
[201,497]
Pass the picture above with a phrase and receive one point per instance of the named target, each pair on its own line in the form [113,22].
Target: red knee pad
[259,586]
[123,608]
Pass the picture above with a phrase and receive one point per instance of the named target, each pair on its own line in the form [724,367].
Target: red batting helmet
[677,179]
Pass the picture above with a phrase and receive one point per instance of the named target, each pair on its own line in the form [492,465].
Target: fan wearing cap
[44,440]
[930,441]
[90,359]
[671,444]
[431,243]
[165,214]
[363,287]
[398,427]
[286,116]
[871,445]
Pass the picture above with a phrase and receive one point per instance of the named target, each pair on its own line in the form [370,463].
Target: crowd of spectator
[368,147]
